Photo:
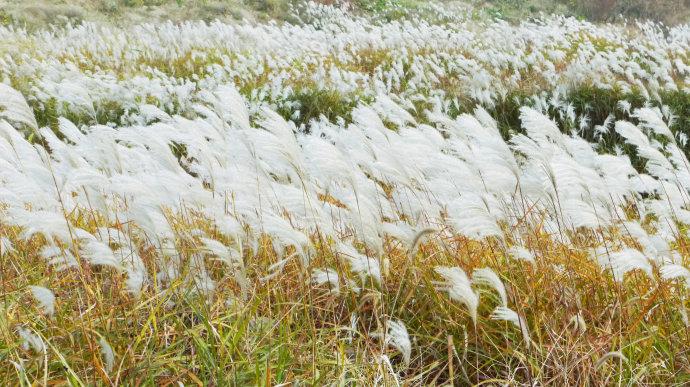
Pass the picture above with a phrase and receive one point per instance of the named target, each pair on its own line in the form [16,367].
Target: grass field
[386,194]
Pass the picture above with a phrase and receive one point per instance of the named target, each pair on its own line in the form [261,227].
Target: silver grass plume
[507,314]
[45,299]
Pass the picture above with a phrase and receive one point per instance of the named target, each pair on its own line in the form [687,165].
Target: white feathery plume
[387,362]
[621,262]
[203,283]
[392,111]
[107,353]
[135,281]
[62,259]
[521,253]
[651,119]
[354,319]
[47,223]
[283,235]
[635,230]
[539,127]
[675,271]
[398,230]
[98,253]
[367,118]
[326,276]
[398,337]
[19,367]
[485,118]
[31,340]
[632,134]
[152,112]
[229,256]
[325,162]
[471,216]
[70,131]
[412,249]
[276,268]
[604,128]
[6,246]
[134,266]
[459,288]
[658,165]
[624,106]
[13,107]
[45,298]
[486,276]
[360,263]
[507,314]
[236,106]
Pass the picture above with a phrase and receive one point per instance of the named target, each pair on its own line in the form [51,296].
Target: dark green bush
[313,104]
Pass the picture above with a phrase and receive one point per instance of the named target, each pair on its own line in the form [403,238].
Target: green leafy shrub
[313,104]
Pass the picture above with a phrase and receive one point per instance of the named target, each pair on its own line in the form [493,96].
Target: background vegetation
[36,13]
[289,329]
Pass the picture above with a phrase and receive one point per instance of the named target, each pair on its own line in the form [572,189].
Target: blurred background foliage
[37,13]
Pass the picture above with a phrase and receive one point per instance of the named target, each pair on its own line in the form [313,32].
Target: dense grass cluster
[96,73]
[345,201]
